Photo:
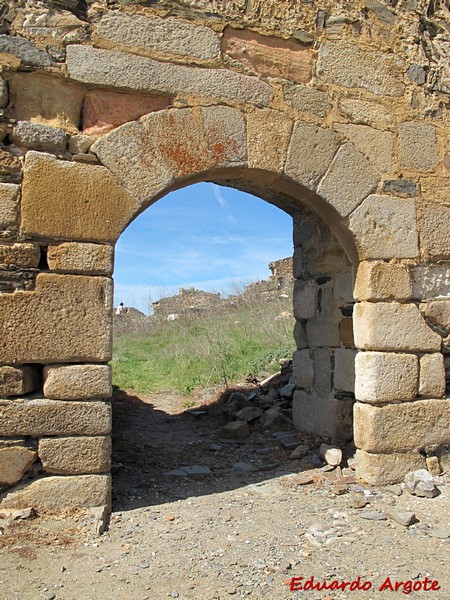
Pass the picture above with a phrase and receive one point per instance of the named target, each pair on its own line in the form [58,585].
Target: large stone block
[401,427]
[268,135]
[73,257]
[24,256]
[39,137]
[65,319]
[305,302]
[432,376]
[59,493]
[42,98]
[16,381]
[77,382]
[9,204]
[81,197]
[15,461]
[325,417]
[40,417]
[344,369]
[417,145]
[75,455]
[323,331]
[141,74]
[348,181]
[435,232]
[225,131]
[383,469]
[307,99]
[322,365]
[302,368]
[377,280]
[431,281]
[385,227]
[352,67]
[310,153]
[376,145]
[170,36]
[386,377]
[269,56]
[391,326]
[364,112]
[103,110]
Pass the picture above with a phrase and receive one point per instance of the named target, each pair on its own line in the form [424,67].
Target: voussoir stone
[15,461]
[385,227]
[378,280]
[81,197]
[73,257]
[16,381]
[23,255]
[348,65]
[310,153]
[391,326]
[9,204]
[268,135]
[67,318]
[348,181]
[376,145]
[417,145]
[156,34]
[75,455]
[404,426]
[39,137]
[386,376]
[40,417]
[383,469]
[56,493]
[307,99]
[77,382]
[93,66]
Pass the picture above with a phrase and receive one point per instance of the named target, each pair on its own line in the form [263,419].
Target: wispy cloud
[217,191]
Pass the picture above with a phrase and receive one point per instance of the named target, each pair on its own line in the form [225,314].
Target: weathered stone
[405,518]
[435,232]
[433,466]
[435,189]
[78,144]
[16,381]
[401,427]
[346,333]
[437,313]
[10,163]
[268,135]
[377,280]
[348,181]
[376,145]
[14,463]
[91,65]
[322,365]
[23,255]
[56,493]
[65,319]
[432,376]
[249,413]
[223,123]
[323,331]
[400,186]
[420,483]
[331,455]
[391,326]
[155,34]
[305,298]
[9,204]
[431,281]
[310,153]
[364,112]
[3,93]
[81,196]
[25,50]
[322,416]
[39,417]
[375,71]
[47,24]
[269,56]
[417,145]
[386,377]
[103,110]
[385,227]
[381,11]
[303,370]
[444,457]
[39,137]
[416,74]
[41,98]
[75,455]
[307,99]
[344,369]
[73,257]
[383,469]
[77,382]
[300,335]
[235,430]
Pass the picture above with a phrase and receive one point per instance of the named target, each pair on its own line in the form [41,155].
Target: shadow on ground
[154,436]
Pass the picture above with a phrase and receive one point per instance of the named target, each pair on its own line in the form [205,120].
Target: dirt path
[243,530]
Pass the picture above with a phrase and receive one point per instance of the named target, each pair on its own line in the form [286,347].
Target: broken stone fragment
[405,518]
[249,413]
[331,455]
[420,483]
[236,430]
[39,137]
[14,463]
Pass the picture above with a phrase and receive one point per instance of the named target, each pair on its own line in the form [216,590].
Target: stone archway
[332,150]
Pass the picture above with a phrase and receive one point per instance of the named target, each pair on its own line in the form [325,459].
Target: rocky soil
[243,525]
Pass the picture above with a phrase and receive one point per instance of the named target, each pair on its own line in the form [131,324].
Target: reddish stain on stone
[104,110]
[184,159]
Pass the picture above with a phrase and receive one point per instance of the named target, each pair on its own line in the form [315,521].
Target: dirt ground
[244,530]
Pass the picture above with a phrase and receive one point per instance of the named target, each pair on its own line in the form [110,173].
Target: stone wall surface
[337,112]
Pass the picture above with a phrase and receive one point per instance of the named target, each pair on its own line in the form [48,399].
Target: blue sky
[204,235]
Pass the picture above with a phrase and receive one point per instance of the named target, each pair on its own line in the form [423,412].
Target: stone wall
[336,112]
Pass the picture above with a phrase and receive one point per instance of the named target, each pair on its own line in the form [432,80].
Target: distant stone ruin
[334,111]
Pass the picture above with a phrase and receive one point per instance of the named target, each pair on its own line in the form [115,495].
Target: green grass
[217,349]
